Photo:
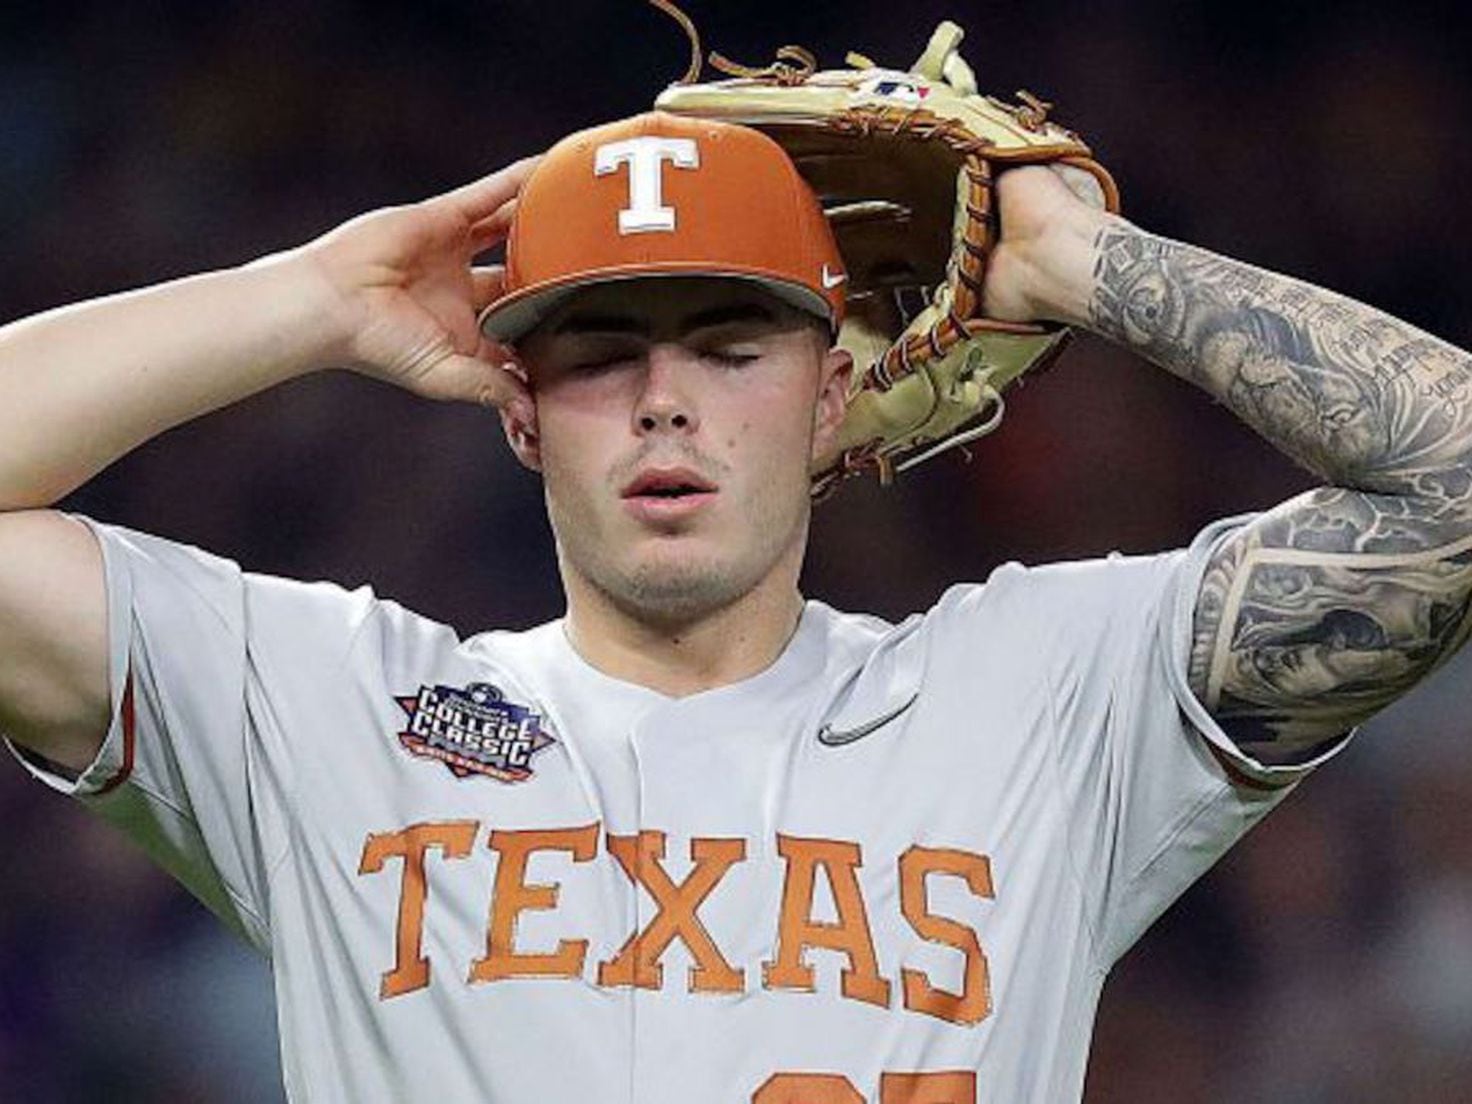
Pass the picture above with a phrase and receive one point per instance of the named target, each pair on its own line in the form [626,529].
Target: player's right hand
[406,295]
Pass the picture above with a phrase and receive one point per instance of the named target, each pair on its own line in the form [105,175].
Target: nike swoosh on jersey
[837,737]
[832,279]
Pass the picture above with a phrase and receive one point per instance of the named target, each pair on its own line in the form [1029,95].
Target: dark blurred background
[1329,957]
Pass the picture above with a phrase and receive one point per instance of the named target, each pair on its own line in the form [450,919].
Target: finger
[493,229]
[504,390]
[487,284]
[481,198]
[461,378]
[514,390]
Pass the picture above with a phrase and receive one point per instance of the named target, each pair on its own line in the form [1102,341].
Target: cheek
[583,398]
[766,443]
[774,417]
[771,447]
[580,427]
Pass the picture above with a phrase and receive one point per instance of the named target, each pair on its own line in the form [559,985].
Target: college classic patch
[473,731]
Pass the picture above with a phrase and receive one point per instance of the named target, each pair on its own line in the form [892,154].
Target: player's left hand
[1041,269]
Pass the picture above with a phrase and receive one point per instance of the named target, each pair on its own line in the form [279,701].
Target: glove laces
[793,64]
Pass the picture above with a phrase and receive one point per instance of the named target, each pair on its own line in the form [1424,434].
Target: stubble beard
[678,587]
[671,594]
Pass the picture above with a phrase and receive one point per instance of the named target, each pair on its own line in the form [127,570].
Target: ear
[522,438]
[832,407]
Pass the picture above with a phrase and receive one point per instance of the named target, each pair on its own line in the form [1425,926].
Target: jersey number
[945,1087]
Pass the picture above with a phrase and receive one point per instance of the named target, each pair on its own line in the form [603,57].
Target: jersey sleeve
[1153,789]
[187,768]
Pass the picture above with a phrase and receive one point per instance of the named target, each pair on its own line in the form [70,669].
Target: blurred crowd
[1328,958]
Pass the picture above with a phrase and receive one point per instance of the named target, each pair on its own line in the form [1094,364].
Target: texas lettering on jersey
[637,962]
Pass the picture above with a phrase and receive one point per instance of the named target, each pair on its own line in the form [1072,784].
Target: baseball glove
[904,164]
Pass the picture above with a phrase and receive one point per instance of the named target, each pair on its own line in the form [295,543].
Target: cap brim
[513,316]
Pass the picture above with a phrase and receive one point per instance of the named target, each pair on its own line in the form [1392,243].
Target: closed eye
[728,359]
[601,362]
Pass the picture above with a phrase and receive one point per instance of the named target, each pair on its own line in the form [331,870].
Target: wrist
[313,326]
[1061,264]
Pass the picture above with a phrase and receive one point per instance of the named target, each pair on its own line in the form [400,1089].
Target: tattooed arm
[1329,607]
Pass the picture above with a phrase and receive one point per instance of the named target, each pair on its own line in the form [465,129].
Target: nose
[665,403]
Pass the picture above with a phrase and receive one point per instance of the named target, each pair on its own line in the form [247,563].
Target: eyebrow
[599,323]
[727,314]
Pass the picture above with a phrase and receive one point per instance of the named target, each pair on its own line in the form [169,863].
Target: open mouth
[662,494]
[669,492]
[667,484]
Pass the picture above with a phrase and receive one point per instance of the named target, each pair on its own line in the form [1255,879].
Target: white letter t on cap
[646,157]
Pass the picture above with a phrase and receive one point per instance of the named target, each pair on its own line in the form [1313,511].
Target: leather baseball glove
[903,162]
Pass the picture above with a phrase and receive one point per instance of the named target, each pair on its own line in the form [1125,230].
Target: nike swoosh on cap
[837,737]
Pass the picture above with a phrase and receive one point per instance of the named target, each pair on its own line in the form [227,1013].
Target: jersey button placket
[646,756]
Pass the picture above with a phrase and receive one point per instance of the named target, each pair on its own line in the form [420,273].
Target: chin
[681,574]
[681,586]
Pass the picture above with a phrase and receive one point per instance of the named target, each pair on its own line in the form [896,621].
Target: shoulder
[1087,621]
[1058,601]
[176,589]
[1019,607]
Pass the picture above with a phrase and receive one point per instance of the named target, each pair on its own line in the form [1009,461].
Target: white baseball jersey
[894,867]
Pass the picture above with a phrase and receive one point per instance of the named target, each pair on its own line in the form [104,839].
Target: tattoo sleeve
[1330,606]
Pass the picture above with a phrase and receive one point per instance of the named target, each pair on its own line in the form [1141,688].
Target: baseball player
[700,838]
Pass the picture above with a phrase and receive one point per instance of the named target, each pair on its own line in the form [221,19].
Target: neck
[683,657]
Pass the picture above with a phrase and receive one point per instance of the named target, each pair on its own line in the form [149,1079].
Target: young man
[700,838]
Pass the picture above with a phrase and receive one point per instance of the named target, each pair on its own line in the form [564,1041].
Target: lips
[667,483]
[666,499]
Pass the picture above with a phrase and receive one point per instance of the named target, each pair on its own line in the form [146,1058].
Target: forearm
[1319,612]
[1360,398]
[1337,602]
[82,385]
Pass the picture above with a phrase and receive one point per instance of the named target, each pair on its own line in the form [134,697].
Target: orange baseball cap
[664,195]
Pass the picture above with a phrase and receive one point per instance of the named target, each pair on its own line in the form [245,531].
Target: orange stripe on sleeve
[129,741]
